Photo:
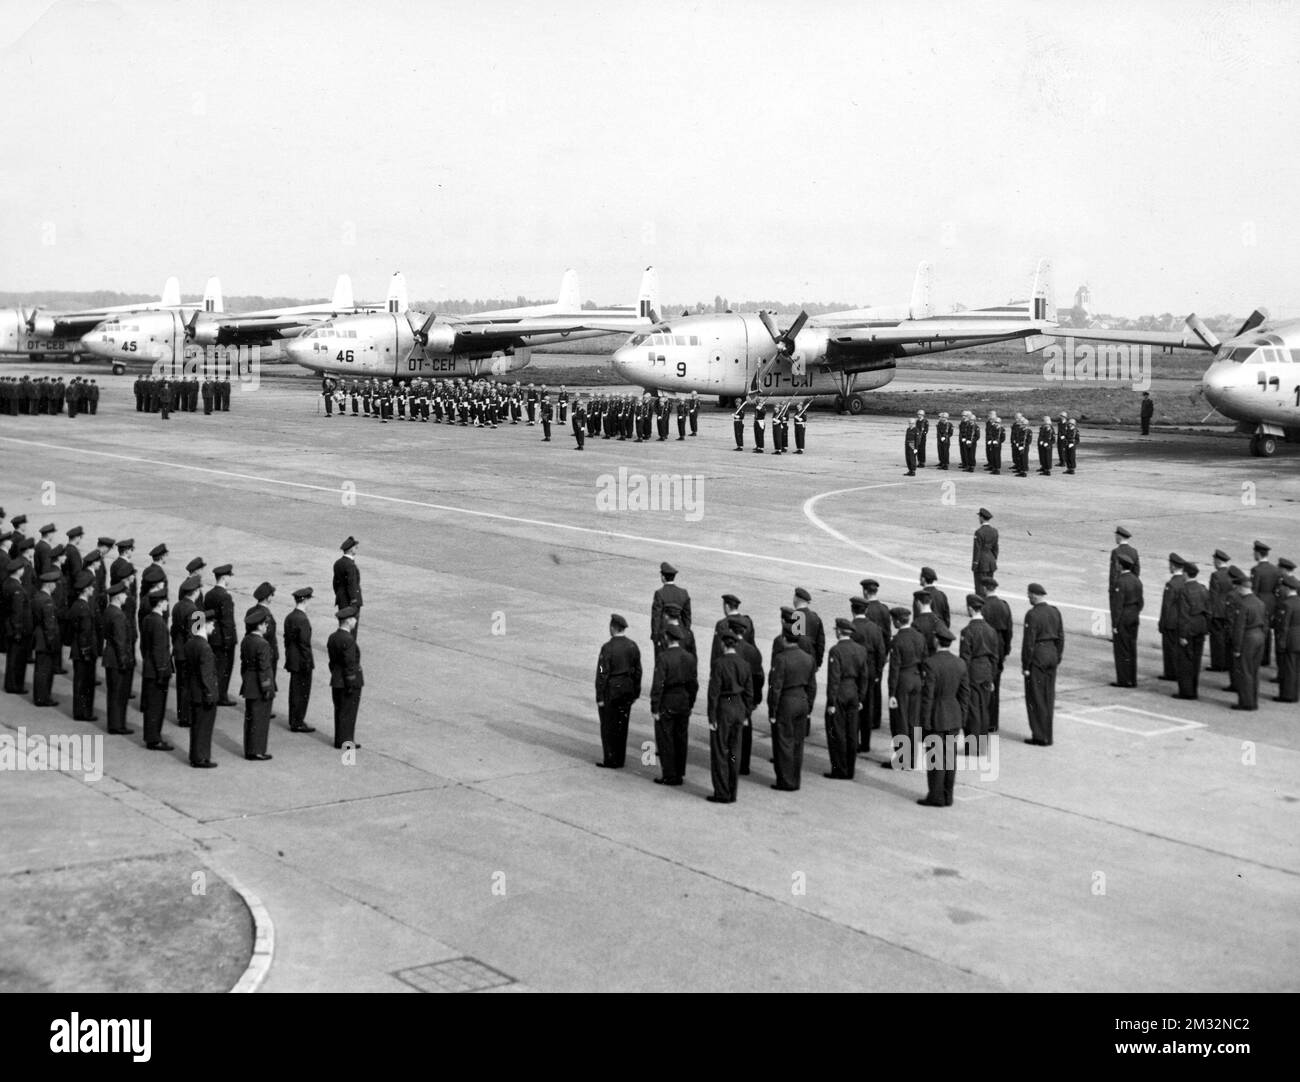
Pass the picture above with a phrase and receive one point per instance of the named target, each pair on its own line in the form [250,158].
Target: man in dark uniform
[922,434]
[730,685]
[943,439]
[867,634]
[1070,445]
[1191,622]
[672,697]
[1288,641]
[967,437]
[731,616]
[1147,412]
[909,449]
[907,652]
[878,613]
[119,658]
[618,686]
[984,557]
[580,423]
[693,413]
[299,662]
[760,424]
[1126,603]
[945,692]
[1123,548]
[781,430]
[208,392]
[750,654]
[83,647]
[979,651]
[807,622]
[155,670]
[1042,646]
[346,677]
[1249,628]
[1264,578]
[669,593]
[938,599]
[73,561]
[925,621]
[201,691]
[187,604]
[93,397]
[347,581]
[1017,445]
[16,612]
[848,679]
[994,437]
[41,561]
[791,693]
[800,414]
[546,412]
[1046,441]
[46,640]
[256,684]
[1168,625]
[531,403]
[738,426]
[1220,591]
[262,595]
[222,635]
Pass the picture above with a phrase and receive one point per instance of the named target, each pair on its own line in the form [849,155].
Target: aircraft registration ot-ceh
[1253,378]
[401,345]
[171,341]
[738,355]
[35,334]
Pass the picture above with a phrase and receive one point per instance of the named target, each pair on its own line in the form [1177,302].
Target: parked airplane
[402,345]
[172,341]
[36,334]
[841,354]
[1253,379]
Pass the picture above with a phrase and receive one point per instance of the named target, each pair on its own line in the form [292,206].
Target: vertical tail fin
[397,302]
[171,293]
[1042,300]
[922,305]
[570,299]
[212,300]
[343,294]
[648,298]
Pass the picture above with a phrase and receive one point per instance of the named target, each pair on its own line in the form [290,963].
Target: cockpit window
[637,339]
[1244,353]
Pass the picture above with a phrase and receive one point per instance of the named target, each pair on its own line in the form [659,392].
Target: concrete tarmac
[1155,846]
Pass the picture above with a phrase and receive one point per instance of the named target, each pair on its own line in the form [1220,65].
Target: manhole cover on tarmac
[454,975]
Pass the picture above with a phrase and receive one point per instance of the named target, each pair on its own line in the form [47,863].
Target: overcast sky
[794,150]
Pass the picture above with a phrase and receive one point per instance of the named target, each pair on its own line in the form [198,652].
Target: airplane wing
[1187,338]
[851,346]
[498,332]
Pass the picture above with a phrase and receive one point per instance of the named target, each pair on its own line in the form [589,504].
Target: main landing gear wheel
[857,404]
[1263,446]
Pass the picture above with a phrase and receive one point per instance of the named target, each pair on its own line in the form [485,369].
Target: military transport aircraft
[843,354]
[404,345]
[1253,378]
[36,334]
[169,339]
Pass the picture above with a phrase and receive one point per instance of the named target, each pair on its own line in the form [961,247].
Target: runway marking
[1181,724]
[496,516]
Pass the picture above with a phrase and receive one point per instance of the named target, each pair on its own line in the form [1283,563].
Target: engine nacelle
[441,341]
[810,346]
[206,332]
[44,326]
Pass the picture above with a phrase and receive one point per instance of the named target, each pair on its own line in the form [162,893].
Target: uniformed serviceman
[1168,623]
[878,613]
[347,581]
[943,439]
[1264,578]
[46,639]
[984,558]
[848,678]
[807,622]
[922,434]
[1191,623]
[618,686]
[979,650]
[907,652]
[222,635]
[693,413]
[938,599]
[669,593]
[119,658]
[738,426]
[801,427]
[1288,641]
[925,621]
[730,685]
[1123,548]
[760,423]
[16,611]
[1220,591]
[672,697]
[201,691]
[867,634]
[187,604]
[155,669]
[731,615]
[580,423]
[909,449]
[1046,441]
[1070,445]
[346,677]
[945,691]
[257,683]
[82,640]
[1042,646]
[750,654]
[299,662]
[1249,625]
[262,595]
[994,437]
[791,693]
[1126,603]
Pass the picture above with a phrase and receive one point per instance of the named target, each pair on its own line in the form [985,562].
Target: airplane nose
[94,343]
[621,360]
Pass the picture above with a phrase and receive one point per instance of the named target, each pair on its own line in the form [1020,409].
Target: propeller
[29,318]
[191,326]
[422,332]
[784,342]
[1258,316]
[1197,326]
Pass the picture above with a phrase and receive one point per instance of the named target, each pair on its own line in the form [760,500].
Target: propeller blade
[1198,328]
[1258,316]
[770,324]
[189,327]
[30,318]
[795,328]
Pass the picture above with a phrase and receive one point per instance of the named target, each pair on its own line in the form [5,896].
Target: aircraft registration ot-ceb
[735,355]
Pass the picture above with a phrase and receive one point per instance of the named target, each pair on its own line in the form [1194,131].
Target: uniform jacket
[1288,632]
[848,673]
[1264,578]
[347,583]
[878,613]
[1169,604]
[345,661]
[927,625]
[906,654]
[297,643]
[155,644]
[668,594]
[1192,610]
[997,614]
[1249,618]
[618,670]
[1131,553]
[1220,589]
[791,683]
[222,634]
[256,668]
[984,558]
[816,634]
[1043,640]
[81,628]
[180,629]
[675,683]
[867,635]
[45,624]
[979,650]
[119,652]
[1126,598]
[753,657]
[944,691]
[17,609]
[730,687]
[938,605]
[200,672]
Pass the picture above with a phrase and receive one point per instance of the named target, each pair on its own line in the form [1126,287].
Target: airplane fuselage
[16,340]
[1255,381]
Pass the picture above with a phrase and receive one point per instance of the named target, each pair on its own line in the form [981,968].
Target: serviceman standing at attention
[1126,603]
[1147,412]
[257,684]
[925,621]
[185,607]
[728,707]
[1288,642]
[801,427]
[945,692]
[909,449]
[867,634]
[808,623]
[943,439]
[1249,627]
[693,414]
[791,692]
[262,595]
[222,635]
[750,654]
[1191,622]
[1041,648]
[906,655]
[119,659]
[731,615]
[47,641]
[979,651]
[1046,440]
[1264,578]
[580,423]
[738,425]
[760,423]
[544,405]
[994,437]
[984,558]
[922,434]
[347,581]
[299,662]
[673,618]
[155,671]
[848,679]
[84,648]
[618,686]
[938,599]
[1220,592]
[1123,548]
[1017,446]
[672,697]
[1168,625]
[669,593]
[346,677]
[1070,445]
